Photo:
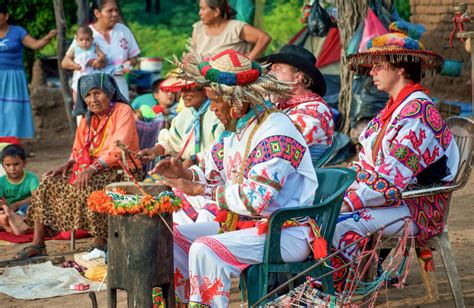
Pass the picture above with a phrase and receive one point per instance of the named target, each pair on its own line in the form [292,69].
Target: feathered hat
[395,47]
[233,76]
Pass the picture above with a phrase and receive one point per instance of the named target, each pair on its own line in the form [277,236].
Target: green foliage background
[37,17]
[165,34]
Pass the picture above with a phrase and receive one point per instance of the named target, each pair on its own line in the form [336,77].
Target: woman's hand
[63,169]
[188,187]
[51,34]
[147,155]
[83,178]
[172,169]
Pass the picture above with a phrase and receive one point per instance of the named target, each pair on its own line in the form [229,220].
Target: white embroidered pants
[206,261]
[354,225]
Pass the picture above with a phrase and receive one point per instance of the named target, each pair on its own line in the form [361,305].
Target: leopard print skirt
[62,207]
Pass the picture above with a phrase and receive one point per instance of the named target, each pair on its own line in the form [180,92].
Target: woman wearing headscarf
[59,204]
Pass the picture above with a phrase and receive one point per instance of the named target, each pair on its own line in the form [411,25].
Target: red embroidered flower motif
[410,109]
[434,118]
[124,43]
[207,289]
[447,136]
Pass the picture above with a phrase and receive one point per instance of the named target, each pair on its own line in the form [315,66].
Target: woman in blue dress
[15,110]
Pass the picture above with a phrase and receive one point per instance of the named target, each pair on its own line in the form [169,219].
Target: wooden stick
[185,145]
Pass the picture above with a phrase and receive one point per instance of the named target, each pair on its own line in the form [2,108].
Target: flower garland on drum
[118,202]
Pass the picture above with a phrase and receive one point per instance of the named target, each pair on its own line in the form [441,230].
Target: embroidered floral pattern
[407,157]
[217,153]
[282,147]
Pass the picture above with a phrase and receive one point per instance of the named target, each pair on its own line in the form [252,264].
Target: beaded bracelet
[195,175]
[209,192]
[97,166]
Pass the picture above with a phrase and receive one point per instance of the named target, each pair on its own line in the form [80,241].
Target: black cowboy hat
[303,60]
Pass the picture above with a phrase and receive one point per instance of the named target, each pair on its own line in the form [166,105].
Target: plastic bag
[354,43]
[373,27]
[367,101]
[319,21]
[414,30]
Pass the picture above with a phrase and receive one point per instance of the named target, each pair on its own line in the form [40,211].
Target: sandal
[31,251]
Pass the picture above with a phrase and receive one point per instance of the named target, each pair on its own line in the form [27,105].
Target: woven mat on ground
[41,281]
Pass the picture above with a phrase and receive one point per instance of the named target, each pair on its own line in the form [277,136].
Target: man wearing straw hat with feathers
[259,164]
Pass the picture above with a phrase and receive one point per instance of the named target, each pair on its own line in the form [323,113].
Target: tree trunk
[61,28]
[82,12]
[351,13]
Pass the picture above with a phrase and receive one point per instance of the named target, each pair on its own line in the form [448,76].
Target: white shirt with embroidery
[416,137]
[312,116]
[278,172]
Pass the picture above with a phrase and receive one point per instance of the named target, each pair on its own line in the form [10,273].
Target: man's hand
[172,168]
[63,169]
[83,178]
[188,187]
[345,208]
[187,163]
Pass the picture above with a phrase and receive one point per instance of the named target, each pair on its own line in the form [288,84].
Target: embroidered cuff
[220,198]
[353,200]
[99,165]
[209,192]
[195,175]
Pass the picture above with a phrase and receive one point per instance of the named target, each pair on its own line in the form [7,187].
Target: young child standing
[16,187]
[84,57]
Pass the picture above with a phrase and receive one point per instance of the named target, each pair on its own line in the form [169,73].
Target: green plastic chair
[333,182]
[320,162]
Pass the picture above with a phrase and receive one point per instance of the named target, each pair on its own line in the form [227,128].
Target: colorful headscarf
[395,46]
[102,81]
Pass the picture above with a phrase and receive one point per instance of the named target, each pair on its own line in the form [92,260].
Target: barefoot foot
[17,224]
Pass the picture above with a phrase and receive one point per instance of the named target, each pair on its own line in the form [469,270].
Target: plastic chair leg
[451,269]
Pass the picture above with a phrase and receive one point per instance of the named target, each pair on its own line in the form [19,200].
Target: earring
[235,113]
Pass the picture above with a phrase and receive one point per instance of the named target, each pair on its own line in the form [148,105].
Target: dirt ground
[461,232]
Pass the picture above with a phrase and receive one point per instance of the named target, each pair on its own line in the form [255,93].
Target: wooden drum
[140,253]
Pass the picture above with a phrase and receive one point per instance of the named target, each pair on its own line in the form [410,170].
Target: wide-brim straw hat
[235,77]
[395,47]
[302,59]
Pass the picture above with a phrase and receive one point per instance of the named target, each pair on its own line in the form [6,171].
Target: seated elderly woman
[59,204]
